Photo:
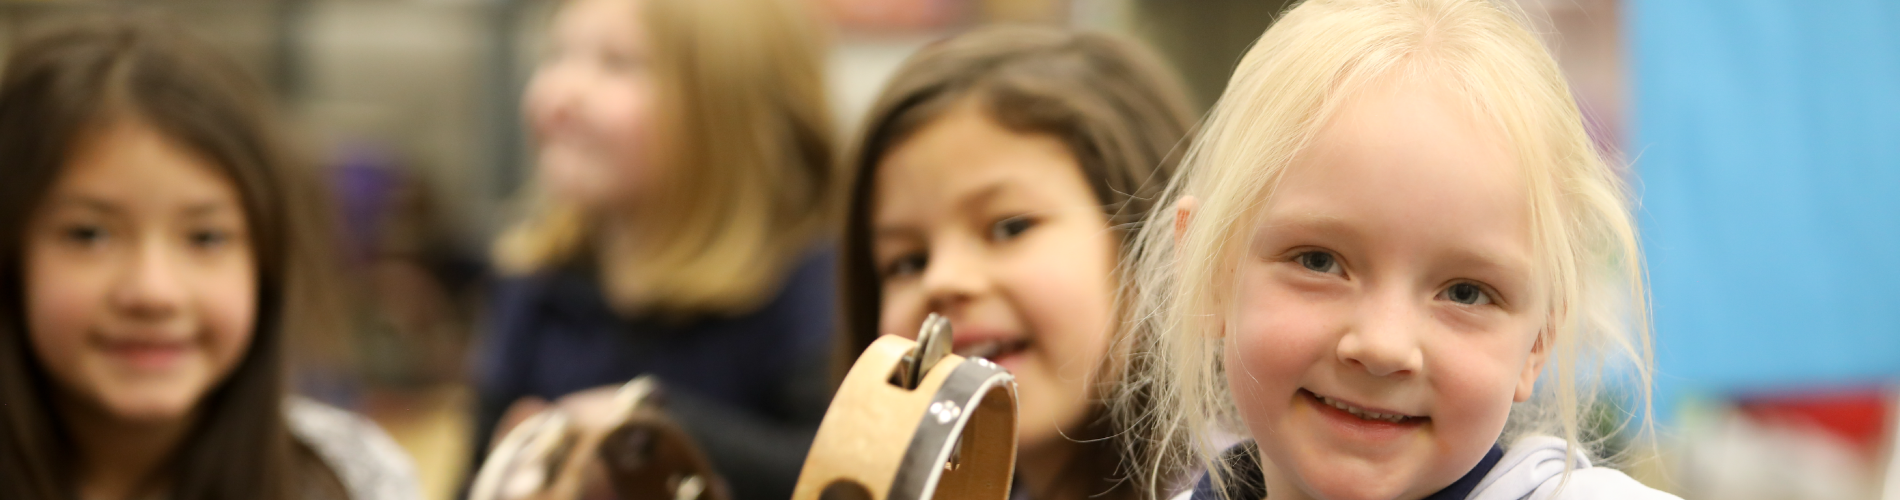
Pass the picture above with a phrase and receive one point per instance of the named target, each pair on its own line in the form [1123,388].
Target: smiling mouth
[992,349]
[1363,413]
[147,355]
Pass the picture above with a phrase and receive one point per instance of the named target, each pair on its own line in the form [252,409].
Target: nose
[150,286]
[1384,340]
[955,274]
[550,98]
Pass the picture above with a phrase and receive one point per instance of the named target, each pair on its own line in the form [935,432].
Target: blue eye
[1319,262]
[1467,294]
[1011,227]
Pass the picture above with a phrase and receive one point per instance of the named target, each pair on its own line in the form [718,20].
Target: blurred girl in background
[156,254]
[684,174]
[995,180]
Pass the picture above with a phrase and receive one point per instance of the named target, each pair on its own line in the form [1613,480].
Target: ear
[1183,211]
[1527,381]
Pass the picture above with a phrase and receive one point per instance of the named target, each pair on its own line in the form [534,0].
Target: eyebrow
[1484,261]
[208,208]
[89,203]
[892,232]
[1311,221]
[983,196]
[1304,223]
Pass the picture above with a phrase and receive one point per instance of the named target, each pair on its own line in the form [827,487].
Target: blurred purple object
[365,179]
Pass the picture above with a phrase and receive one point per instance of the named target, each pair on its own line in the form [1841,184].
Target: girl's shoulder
[1533,468]
[365,460]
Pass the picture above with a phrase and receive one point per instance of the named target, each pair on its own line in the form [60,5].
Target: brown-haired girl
[156,253]
[684,178]
[996,177]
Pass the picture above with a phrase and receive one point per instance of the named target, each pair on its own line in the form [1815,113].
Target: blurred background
[1763,137]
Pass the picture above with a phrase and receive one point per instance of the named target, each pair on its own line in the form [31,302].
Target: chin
[1355,492]
[580,192]
[150,409]
[1343,480]
[575,180]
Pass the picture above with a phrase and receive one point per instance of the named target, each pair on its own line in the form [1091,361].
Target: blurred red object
[894,16]
[1858,416]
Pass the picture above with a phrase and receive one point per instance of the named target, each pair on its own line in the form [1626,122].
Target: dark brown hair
[66,83]
[1117,107]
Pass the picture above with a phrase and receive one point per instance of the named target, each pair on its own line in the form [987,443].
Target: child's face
[591,103]
[999,232]
[1390,272]
[141,286]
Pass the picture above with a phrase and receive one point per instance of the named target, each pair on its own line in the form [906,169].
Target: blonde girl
[158,252]
[996,176]
[1393,263]
[684,185]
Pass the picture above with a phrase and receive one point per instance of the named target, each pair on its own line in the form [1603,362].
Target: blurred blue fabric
[1766,143]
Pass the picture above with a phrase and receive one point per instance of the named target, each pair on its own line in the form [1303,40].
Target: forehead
[1406,162]
[128,163]
[964,154]
[618,19]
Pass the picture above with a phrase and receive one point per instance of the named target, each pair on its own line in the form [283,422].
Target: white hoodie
[1532,469]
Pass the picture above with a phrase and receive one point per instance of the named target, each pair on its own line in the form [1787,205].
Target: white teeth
[990,349]
[983,350]
[1357,412]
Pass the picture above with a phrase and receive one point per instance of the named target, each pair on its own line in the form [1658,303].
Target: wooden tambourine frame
[953,437]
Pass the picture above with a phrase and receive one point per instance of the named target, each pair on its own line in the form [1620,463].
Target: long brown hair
[1117,107]
[749,150]
[69,82]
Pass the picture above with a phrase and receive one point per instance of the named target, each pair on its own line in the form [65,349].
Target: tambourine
[914,422]
[634,453]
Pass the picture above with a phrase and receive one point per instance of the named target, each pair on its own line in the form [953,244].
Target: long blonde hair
[749,150]
[1286,88]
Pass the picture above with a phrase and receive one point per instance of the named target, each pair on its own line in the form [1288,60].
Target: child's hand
[517,412]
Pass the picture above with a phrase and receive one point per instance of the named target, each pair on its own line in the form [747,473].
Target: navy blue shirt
[1247,483]
[750,388]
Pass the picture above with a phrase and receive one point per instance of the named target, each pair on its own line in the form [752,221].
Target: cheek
[902,311]
[62,298]
[1063,287]
[228,308]
[595,137]
[627,111]
[1474,377]
[1276,338]
[1060,285]
[622,114]
[538,98]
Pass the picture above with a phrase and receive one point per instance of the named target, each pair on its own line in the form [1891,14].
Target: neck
[1044,470]
[1282,488]
[618,235]
[119,459]
[621,244]
[623,223]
